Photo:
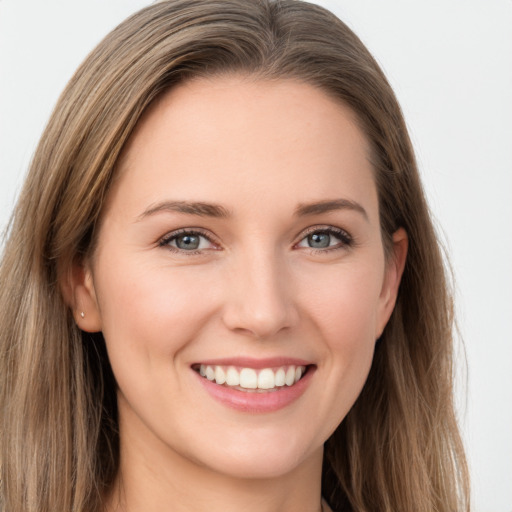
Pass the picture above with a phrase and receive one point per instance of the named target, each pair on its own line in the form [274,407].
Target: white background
[450,63]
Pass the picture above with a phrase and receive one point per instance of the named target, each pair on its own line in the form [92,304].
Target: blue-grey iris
[187,242]
[319,240]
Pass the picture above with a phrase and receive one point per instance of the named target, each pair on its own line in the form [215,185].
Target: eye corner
[325,235]
[199,241]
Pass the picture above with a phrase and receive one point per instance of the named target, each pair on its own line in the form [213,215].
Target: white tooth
[290,376]
[210,374]
[298,373]
[232,377]
[220,375]
[266,379]
[202,370]
[248,378]
[280,377]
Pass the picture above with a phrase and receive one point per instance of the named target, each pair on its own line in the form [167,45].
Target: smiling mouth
[252,380]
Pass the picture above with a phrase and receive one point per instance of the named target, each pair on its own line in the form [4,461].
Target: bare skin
[243,224]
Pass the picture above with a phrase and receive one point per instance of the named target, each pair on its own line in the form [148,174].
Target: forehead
[213,136]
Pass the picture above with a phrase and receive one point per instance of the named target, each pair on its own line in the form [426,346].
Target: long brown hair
[399,447]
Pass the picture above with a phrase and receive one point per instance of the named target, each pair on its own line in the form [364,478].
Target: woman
[221,287]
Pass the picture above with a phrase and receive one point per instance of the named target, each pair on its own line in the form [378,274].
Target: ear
[78,290]
[393,274]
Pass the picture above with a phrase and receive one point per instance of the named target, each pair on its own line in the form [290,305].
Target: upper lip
[256,363]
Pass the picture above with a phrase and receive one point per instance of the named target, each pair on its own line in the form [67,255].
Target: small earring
[82,314]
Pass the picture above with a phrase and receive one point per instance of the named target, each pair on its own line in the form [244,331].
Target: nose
[260,299]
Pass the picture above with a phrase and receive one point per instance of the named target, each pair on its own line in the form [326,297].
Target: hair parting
[399,447]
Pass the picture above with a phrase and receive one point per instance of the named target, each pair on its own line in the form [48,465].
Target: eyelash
[346,240]
[166,240]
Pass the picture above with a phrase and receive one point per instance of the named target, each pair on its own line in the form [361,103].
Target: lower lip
[257,402]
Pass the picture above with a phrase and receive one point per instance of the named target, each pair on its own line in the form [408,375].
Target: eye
[326,239]
[187,241]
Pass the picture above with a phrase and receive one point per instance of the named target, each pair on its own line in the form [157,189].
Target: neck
[153,477]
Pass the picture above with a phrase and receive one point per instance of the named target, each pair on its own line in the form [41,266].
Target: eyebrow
[329,205]
[191,208]
[203,209]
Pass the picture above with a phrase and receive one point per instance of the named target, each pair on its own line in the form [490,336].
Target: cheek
[344,311]
[153,310]
[344,303]
[150,315]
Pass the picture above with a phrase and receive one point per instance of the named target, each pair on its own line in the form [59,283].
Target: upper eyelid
[214,240]
[181,231]
[346,240]
[323,227]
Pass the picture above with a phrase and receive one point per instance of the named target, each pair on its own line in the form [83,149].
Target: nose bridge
[260,301]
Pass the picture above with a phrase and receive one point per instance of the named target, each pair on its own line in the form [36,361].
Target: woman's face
[241,241]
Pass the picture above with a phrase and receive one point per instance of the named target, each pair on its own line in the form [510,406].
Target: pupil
[188,242]
[319,240]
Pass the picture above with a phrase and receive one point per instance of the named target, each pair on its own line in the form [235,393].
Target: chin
[257,458]
[257,468]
